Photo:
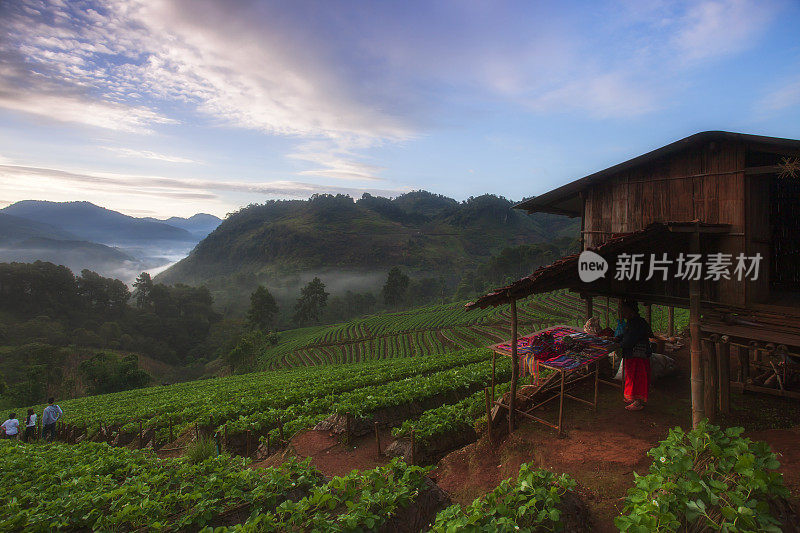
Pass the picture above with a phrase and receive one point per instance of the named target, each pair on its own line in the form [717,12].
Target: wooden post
[514,368]
[377,439]
[698,411]
[752,355]
[561,407]
[724,373]
[413,440]
[671,321]
[489,416]
[346,430]
[494,357]
[710,383]
[589,307]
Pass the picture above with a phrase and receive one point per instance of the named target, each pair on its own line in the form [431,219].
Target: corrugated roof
[565,200]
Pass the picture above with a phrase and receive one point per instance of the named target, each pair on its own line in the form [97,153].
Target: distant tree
[395,288]
[312,301]
[142,289]
[105,373]
[263,309]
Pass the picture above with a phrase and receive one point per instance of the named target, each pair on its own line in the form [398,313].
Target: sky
[162,107]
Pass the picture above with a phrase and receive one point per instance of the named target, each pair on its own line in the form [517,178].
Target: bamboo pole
[514,368]
[698,411]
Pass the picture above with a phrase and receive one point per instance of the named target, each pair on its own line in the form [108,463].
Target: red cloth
[637,378]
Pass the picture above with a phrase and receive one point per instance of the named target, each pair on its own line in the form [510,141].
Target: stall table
[571,362]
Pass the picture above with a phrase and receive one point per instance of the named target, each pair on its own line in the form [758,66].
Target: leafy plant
[706,478]
[529,503]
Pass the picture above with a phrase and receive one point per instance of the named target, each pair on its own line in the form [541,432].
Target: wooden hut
[711,193]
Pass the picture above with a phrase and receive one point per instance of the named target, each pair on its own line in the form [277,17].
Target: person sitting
[635,346]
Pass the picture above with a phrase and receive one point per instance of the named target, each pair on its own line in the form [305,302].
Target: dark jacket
[637,334]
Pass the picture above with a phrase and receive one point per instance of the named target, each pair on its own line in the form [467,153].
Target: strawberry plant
[705,479]
[528,503]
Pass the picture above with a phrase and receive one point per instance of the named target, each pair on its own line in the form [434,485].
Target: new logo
[591,266]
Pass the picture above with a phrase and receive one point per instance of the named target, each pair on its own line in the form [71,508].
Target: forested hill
[419,230]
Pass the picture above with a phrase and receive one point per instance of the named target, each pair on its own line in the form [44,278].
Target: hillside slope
[419,230]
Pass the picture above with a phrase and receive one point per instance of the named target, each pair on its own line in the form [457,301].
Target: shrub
[529,503]
[200,450]
[706,479]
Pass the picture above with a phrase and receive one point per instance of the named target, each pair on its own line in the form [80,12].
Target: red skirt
[637,378]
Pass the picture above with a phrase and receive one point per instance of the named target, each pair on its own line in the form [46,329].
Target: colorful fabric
[550,347]
[637,378]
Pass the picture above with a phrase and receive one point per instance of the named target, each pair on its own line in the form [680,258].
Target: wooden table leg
[561,407]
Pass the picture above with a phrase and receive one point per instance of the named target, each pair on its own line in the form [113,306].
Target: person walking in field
[10,426]
[636,352]
[30,426]
[50,416]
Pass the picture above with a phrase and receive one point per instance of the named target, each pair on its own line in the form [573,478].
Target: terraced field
[426,331]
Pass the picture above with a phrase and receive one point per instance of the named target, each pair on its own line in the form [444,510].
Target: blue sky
[160,108]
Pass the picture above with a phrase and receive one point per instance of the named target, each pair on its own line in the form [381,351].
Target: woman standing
[30,426]
[636,351]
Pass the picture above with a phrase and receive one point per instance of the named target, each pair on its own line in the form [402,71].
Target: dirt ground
[602,449]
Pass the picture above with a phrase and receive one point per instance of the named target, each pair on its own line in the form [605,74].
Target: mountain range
[423,232]
[83,235]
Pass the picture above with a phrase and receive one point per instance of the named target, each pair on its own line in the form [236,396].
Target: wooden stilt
[724,373]
[561,407]
[514,368]
[710,382]
[698,411]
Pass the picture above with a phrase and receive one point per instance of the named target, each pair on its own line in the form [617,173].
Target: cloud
[33,180]
[715,28]
[781,98]
[147,154]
